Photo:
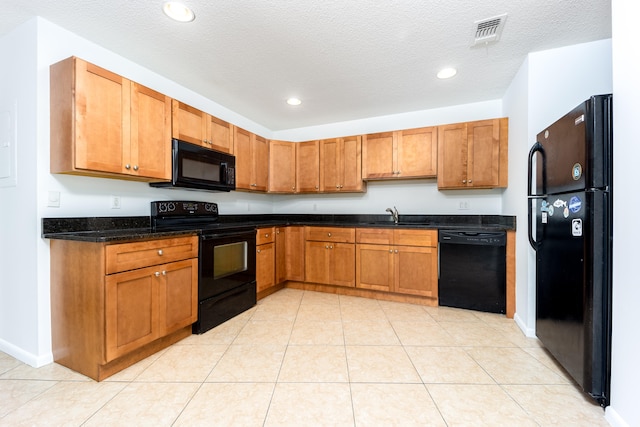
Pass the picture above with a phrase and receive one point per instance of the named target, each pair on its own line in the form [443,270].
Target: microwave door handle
[223,172]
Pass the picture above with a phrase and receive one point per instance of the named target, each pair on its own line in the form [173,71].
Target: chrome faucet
[394,214]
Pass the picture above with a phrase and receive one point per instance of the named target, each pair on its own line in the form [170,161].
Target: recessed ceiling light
[294,101]
[447,73]
[178,11]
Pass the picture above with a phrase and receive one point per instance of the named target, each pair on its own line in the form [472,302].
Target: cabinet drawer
[265,235]
[129,256]
[416,237]
[330,234]
[374,236]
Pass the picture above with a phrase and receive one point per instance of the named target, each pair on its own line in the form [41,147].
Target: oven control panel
[183,208]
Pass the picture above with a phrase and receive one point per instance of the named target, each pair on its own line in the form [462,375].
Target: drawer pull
[258,250]
[329,234]
[266,234]
[160,252]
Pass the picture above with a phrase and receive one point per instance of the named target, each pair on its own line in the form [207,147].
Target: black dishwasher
[472,270]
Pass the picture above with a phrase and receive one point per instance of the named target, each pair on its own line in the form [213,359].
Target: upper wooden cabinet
[282,167]
[197,127]
[473,154]
[341,165]
[252,160]
[410,153]
[105,125]
[307,167]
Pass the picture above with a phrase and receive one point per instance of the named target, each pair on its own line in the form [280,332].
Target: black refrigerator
[570,228]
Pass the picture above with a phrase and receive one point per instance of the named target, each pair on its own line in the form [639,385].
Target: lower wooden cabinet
[265,258]
[115,304]
[330,256]
[289,253]
[407,268]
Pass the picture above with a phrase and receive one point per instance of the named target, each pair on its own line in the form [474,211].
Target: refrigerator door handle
[537,148]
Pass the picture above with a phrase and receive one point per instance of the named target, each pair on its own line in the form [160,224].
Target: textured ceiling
[346,59]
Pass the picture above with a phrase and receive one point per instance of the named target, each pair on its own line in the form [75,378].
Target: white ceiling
[346,59]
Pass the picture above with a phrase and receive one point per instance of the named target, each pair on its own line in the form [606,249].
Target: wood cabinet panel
[417,153]
[197,127]
[295,253]
[103,124]
[342,259]
[316,262]
[341,165]
[307,167]
[252,160]
[409,237]
[129,256]
[409,153]
[265,266]
[265,235]
[282,167]
[102,323]
[376,236]
[379,156]
[331,234]
[374,267]
[473,154]
[416,270]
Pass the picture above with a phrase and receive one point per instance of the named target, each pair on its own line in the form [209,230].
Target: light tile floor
[306,358]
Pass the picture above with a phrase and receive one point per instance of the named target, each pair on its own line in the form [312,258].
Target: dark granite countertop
[118,229]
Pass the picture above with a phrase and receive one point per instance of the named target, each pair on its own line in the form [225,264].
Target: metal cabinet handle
[330,246]
[329,234]
[160,252]
[470,181]
[164,272]
[266,234]
[135,168]
[390,251]
[396,251]
[464,181]
[258,250]
[127,166]
[337,186]
[157,273]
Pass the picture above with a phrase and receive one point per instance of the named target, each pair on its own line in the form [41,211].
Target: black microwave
[200,168]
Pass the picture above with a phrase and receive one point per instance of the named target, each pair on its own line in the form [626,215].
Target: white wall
[19,305]
[625,376]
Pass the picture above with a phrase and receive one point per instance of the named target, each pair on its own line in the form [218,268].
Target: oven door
[227,261]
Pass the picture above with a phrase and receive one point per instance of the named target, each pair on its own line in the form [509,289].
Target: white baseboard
[614,419]
[24,356]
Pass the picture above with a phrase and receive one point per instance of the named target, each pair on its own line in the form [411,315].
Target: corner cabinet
[115,304]
[105,125]
[473,155]
[197,127]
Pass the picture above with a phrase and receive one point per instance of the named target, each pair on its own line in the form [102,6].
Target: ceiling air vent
[488,30]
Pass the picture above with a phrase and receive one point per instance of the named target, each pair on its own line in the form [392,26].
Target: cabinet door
[452,156]
[350,164]
[150,147]
[417,153]
[131,310]
[378,156]
[416,271]
[282,167]
[189,124]
[329,165]
[221,135]
[244,159]
[102,101]
[342,264]
[260,163]
[265,266]
[316,262]
[294,253]
[178,295]
[374,267]
[307,167]
[281,254]
[483,138]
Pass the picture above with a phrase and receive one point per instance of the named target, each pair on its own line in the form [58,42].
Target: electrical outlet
[464,205]
[115,202]
[54,199]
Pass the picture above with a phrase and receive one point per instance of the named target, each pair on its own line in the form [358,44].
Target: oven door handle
[225,235]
